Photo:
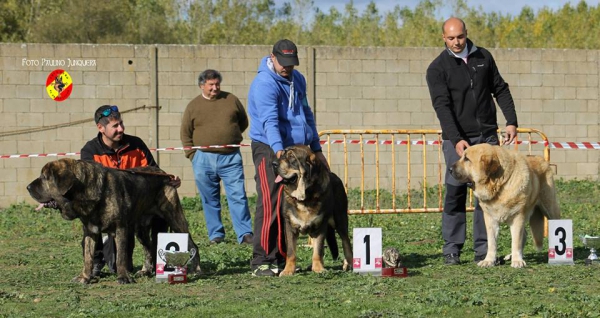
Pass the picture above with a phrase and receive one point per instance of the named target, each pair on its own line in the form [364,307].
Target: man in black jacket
[463,82]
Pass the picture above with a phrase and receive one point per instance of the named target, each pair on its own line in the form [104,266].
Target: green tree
[262,22]
[14,20]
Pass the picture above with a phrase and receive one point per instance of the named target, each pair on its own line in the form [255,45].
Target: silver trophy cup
[593,243]
[176,261]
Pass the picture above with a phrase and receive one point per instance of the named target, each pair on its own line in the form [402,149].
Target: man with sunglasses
[114,149]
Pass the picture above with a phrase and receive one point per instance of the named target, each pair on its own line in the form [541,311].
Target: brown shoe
[247,239]
[217,240]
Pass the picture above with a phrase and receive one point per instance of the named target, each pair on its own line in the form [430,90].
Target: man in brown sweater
[216,117]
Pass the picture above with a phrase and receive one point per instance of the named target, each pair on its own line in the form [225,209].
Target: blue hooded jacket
[276,119]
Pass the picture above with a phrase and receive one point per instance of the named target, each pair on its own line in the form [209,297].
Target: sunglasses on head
[109,110]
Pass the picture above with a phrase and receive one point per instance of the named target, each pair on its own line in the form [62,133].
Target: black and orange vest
[132,153]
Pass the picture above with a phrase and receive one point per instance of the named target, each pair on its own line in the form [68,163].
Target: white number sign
[560,242]
[367,251]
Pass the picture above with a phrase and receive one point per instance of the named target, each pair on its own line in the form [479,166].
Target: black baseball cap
[286,52]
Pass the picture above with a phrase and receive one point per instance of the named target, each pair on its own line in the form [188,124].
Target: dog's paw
[318,268]
[195,270]
[143,273]
[346,266]
[286,273]
[125,280]
[516,263]
[487,263]
[82,279]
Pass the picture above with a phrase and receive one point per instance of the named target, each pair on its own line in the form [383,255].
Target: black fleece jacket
[462,94]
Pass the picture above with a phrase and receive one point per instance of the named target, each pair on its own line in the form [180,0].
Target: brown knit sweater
[213,122]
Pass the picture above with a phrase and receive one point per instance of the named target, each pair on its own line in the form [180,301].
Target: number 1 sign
[367,251]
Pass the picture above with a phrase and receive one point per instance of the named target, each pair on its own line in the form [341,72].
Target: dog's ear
[314,165]
[87,173]
[491,164]
[312,159]
[61,175]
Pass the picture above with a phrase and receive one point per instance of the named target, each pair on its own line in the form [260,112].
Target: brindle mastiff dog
[121,203]
[315,203]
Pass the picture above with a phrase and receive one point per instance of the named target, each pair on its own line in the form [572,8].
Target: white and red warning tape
[553,145]
[60,154]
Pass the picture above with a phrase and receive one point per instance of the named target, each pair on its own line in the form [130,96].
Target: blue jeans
[209,170]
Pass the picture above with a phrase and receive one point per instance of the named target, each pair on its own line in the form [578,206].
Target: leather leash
[147,173]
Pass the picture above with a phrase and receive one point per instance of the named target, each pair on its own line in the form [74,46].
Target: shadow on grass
[579,253]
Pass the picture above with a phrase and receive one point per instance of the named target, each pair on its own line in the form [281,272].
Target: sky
[512,7]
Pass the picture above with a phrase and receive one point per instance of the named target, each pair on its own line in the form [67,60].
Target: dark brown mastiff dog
[121,203]
[315,204]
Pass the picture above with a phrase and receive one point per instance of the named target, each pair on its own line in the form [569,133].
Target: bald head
[454,23]
[454,33]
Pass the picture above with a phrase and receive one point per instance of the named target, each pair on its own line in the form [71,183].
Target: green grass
[40,253]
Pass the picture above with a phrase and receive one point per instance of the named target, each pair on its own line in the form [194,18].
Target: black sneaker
[478,258]
[263,271]
[217,240]
[278,267]
[452,259]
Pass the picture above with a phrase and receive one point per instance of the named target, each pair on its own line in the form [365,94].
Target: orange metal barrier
[423,158]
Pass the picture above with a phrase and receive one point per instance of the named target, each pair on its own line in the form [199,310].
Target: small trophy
[392,264]
[591,242]
[176,262]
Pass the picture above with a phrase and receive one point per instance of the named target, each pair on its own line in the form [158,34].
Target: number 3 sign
[560,242]
[367,251]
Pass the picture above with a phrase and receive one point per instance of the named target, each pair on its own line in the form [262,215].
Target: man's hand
[279,153]
[511,134]
[175,181]
[461,146]
[321,158]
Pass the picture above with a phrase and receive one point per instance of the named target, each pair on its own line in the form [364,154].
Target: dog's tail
[332,242]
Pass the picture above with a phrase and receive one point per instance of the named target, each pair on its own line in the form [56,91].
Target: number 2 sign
[367,251]
[560,242]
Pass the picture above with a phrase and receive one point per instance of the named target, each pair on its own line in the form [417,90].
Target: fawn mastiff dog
[119,202]
[315,203]
[511,188]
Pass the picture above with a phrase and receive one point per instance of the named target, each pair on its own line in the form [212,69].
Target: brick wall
[556,91]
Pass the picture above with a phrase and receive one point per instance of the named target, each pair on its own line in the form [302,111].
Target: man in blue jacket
[279,117]
[463,82]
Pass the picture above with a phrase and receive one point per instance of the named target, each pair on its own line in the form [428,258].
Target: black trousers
[269,240]
[454,217]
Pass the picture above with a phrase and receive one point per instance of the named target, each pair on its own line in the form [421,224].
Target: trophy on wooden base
[392,264]
[176,262]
